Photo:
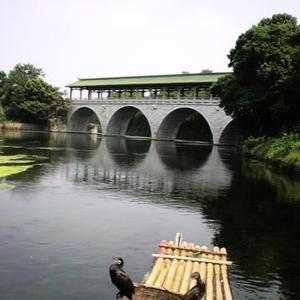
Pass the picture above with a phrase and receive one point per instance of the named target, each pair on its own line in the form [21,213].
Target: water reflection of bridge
[161,167]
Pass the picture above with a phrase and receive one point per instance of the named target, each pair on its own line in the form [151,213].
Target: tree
[2,83]
[28,98]
[264,89]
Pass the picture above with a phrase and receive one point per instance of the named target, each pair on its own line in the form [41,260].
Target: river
[92,198]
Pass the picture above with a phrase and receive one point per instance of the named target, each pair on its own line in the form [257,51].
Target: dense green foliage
[2,82]
[264,89]
[282,151]
[2,116]
[26,97]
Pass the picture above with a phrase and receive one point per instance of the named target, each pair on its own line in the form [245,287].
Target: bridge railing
[180,101]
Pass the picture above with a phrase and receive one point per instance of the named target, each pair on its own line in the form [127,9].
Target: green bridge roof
[153,80]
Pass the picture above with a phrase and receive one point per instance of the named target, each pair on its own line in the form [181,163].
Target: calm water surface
[97,198]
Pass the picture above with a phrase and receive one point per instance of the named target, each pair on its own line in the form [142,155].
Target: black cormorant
[197,292]
[120,279]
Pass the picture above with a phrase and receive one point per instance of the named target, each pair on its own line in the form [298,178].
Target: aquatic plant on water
[14,164]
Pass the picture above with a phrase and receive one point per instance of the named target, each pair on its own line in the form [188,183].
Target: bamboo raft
[170,277]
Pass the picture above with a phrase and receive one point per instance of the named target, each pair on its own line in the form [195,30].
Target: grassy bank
[282,152]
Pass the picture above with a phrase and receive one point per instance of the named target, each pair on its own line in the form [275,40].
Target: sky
[72,39]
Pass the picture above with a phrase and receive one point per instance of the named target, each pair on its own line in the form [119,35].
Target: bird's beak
[115,260]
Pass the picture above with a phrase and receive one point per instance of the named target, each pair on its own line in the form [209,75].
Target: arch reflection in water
[127,152]
[183,156]
[83,145]
[130,165]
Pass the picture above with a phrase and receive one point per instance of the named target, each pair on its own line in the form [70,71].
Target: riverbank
[56,126]
[282,152]
[9,125]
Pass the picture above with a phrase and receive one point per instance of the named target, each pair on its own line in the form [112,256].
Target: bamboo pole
[219,295]
[195,268]
[170,250]
[185,283]
[191,248]
[163,273]
[195,249]
[178,239]
[178,277]
[194,259]
[171,275]
[224,271]
[209,280]
[176,252]
[163,247]
[183,251]
[202,269]
[155,271]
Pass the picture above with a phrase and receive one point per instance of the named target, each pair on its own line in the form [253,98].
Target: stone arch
[81,118]
[230,134]
[171,125]
[129,120]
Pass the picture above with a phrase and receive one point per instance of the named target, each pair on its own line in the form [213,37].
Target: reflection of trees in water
[57,139]
[57,147]
[127,152]
[18,137]
[230,157]
[260,233]
[183,156]
[287,188]
[33,144]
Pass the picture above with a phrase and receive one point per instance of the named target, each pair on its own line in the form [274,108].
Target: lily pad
[13,164]
[11,170]
[9,158]
[15,160]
